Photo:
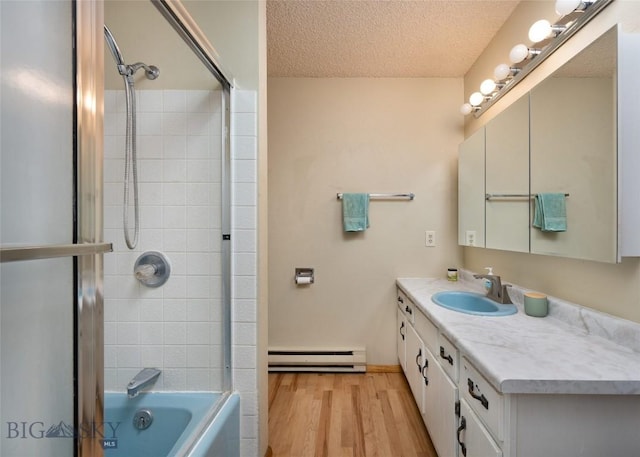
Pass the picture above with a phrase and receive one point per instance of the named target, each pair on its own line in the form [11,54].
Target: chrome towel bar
[410,196]
[490,196]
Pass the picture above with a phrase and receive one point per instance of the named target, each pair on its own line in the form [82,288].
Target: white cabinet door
[507,179]
[471,191]
[416,353]
[473,438]
[440,416]
[401,336]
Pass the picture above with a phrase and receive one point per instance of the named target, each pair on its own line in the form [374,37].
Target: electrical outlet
[471,238]
[430,238]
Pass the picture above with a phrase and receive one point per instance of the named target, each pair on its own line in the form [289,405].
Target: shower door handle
[15,254]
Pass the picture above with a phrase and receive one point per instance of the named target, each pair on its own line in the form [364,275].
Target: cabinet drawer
[406,305]
[487,402]
[427,331]
[448,357]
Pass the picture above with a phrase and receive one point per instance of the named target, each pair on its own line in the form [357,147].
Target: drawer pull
[418,362]
[424,375]
[408,310]
[481,398]
[448,358]
[463,425]
[402,334]
[400,300]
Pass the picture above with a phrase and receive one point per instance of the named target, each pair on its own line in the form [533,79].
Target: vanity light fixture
[525,59]
[543,29]
[564,7]
[504,71]
[520,53]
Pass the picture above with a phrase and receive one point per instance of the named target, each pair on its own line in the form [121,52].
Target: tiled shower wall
[176,327]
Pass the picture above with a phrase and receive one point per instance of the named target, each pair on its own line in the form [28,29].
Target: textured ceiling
[385,38]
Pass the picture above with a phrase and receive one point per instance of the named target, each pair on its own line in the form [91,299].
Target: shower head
[113,46]
[151,71]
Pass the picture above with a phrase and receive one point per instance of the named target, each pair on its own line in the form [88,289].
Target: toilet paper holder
[304,276]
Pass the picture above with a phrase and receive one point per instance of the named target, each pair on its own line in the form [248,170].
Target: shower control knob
[152,269]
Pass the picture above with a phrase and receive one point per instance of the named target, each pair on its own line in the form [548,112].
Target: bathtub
[189,424]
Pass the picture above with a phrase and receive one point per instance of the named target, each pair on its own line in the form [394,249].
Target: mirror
[573,151]
[471,191]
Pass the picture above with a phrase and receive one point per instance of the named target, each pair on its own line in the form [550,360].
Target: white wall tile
[245,265]
[175,310]
[175,356]
[174,171]
[151,356]
[149,123]
[175,146]
[198,147]
[174,101]
[199,101]
[244,124]
[148,147]
[244,333]
[244,147]
[151,333]
[174,123]
[174,194]
[198,356]
[198,379]
[175,332]
[198,333]
[244,101]
[244,356]
[128,356]
[244,217]
[175,217]
[149,101]
[245,194]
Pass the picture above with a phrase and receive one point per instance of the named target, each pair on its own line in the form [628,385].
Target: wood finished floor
[339,415]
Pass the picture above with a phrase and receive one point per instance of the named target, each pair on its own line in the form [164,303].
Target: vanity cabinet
[465,412]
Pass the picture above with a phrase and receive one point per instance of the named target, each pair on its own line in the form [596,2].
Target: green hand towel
[355,212]
[550,214]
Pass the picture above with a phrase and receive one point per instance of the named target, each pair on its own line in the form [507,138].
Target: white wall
[612,288]
[357,135]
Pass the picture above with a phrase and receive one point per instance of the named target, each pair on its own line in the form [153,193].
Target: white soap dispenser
[487,283]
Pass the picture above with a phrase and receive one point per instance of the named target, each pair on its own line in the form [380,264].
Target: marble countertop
[573,350]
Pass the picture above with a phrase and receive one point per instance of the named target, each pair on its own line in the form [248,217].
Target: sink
[472,303]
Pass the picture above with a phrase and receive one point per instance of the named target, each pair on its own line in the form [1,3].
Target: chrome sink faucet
[498,292]
[143,379]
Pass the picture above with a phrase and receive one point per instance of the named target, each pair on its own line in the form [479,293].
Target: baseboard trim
[384,369]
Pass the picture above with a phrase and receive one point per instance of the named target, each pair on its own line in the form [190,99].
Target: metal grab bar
[410,196]
[490,196]
[49,252]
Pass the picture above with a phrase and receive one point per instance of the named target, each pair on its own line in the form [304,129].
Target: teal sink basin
[472,303]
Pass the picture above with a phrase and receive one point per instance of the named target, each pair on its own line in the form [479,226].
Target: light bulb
[540,30]
[487,86]
[564,7]
[502,71]
[518,53]
[476,99]
[466,109]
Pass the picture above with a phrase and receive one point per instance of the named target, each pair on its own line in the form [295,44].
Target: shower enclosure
[74,319]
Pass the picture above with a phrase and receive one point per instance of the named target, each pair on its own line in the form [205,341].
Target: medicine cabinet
[577,133]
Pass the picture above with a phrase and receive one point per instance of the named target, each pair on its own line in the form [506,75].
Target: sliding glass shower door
[51,253]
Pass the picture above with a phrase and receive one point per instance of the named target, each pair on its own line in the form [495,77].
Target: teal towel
[550,214]
[355,212]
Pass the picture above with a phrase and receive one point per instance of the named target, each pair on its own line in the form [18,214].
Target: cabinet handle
[400,300]
[402,334]
[463,425]
[481,398]
[426,365]
[419,363]
[408,310]
[448,358]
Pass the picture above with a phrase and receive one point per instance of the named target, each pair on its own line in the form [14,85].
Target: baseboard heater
[310,359]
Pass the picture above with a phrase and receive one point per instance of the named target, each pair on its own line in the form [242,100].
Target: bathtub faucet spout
[143,379]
